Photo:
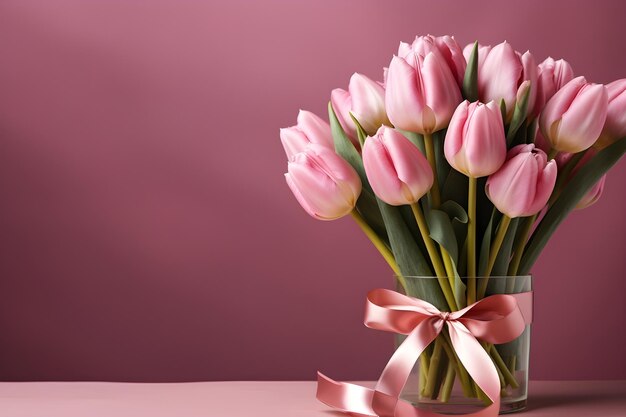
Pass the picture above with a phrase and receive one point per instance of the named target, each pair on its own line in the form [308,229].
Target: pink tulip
[447,46]
[615,125]
[593,195]
[309,129]
[397,171]
[552,76]
[525,182]
[475,143]
[502,72]
[342,104]
[573,118]
[421,92]
[325,185]
[365,100]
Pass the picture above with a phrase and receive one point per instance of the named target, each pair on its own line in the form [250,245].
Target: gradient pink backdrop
[147,234]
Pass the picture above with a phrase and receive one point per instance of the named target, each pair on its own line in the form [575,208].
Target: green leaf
[368,208]
[455,188]
[459,218]
[367,204]
[470,81]
[578,186]
[362,135]
[519,116]
[501,266]
[503,110]
[442,232]
[455,211]
[409,258]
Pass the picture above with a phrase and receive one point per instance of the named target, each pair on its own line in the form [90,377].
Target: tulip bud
[446,46]
[501,73]
[365,100]
[573,118]
[593,195]
[553,75]
[421,92]
[342,104]
[309,129]
[397,171]
[368,103]
[523,185]
[475,143]
[615,125]
[325,185]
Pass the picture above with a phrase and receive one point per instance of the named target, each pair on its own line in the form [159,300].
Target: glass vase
[440,383]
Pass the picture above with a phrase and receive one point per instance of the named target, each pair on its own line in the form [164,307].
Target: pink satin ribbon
[495,319]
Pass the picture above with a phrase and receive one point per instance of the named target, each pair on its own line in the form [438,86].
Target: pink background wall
[146,232]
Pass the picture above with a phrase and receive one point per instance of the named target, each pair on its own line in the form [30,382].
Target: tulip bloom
[553,75]
[397,171]
[325,185]
[310,129]
[593,195]
[501,73]
[447,46]
[522,187]
[365,99]
[475,143]
[573,118]
[615,125]
[421,92]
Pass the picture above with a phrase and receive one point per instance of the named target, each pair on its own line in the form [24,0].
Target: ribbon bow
[495,319]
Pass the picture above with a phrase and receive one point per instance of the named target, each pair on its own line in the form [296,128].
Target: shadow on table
[544,401]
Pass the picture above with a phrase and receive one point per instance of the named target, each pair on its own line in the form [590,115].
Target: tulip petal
[582,122]
[499,75]
[545,186]
[342,104]
[316,129]
[404,97]
[441,92]
[368,102]
[558,104]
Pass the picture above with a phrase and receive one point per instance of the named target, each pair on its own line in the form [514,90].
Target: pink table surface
[260,399]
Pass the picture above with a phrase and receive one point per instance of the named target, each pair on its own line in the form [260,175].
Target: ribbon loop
[496,319]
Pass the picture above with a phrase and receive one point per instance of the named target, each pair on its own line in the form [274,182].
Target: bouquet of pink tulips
[462,163]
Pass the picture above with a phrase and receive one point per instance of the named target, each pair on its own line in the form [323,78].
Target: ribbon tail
[475,359]
[349,398]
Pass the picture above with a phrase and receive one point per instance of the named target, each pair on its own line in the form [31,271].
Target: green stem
[519,251]
[434,256]
[471,242]
[435,197]
[493,253]
[501,366]
[447,263]
[380,245]
[433,369]
[435,202]
[448,383]
[466,382]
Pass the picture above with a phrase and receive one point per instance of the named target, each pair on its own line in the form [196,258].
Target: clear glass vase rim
[478,277]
